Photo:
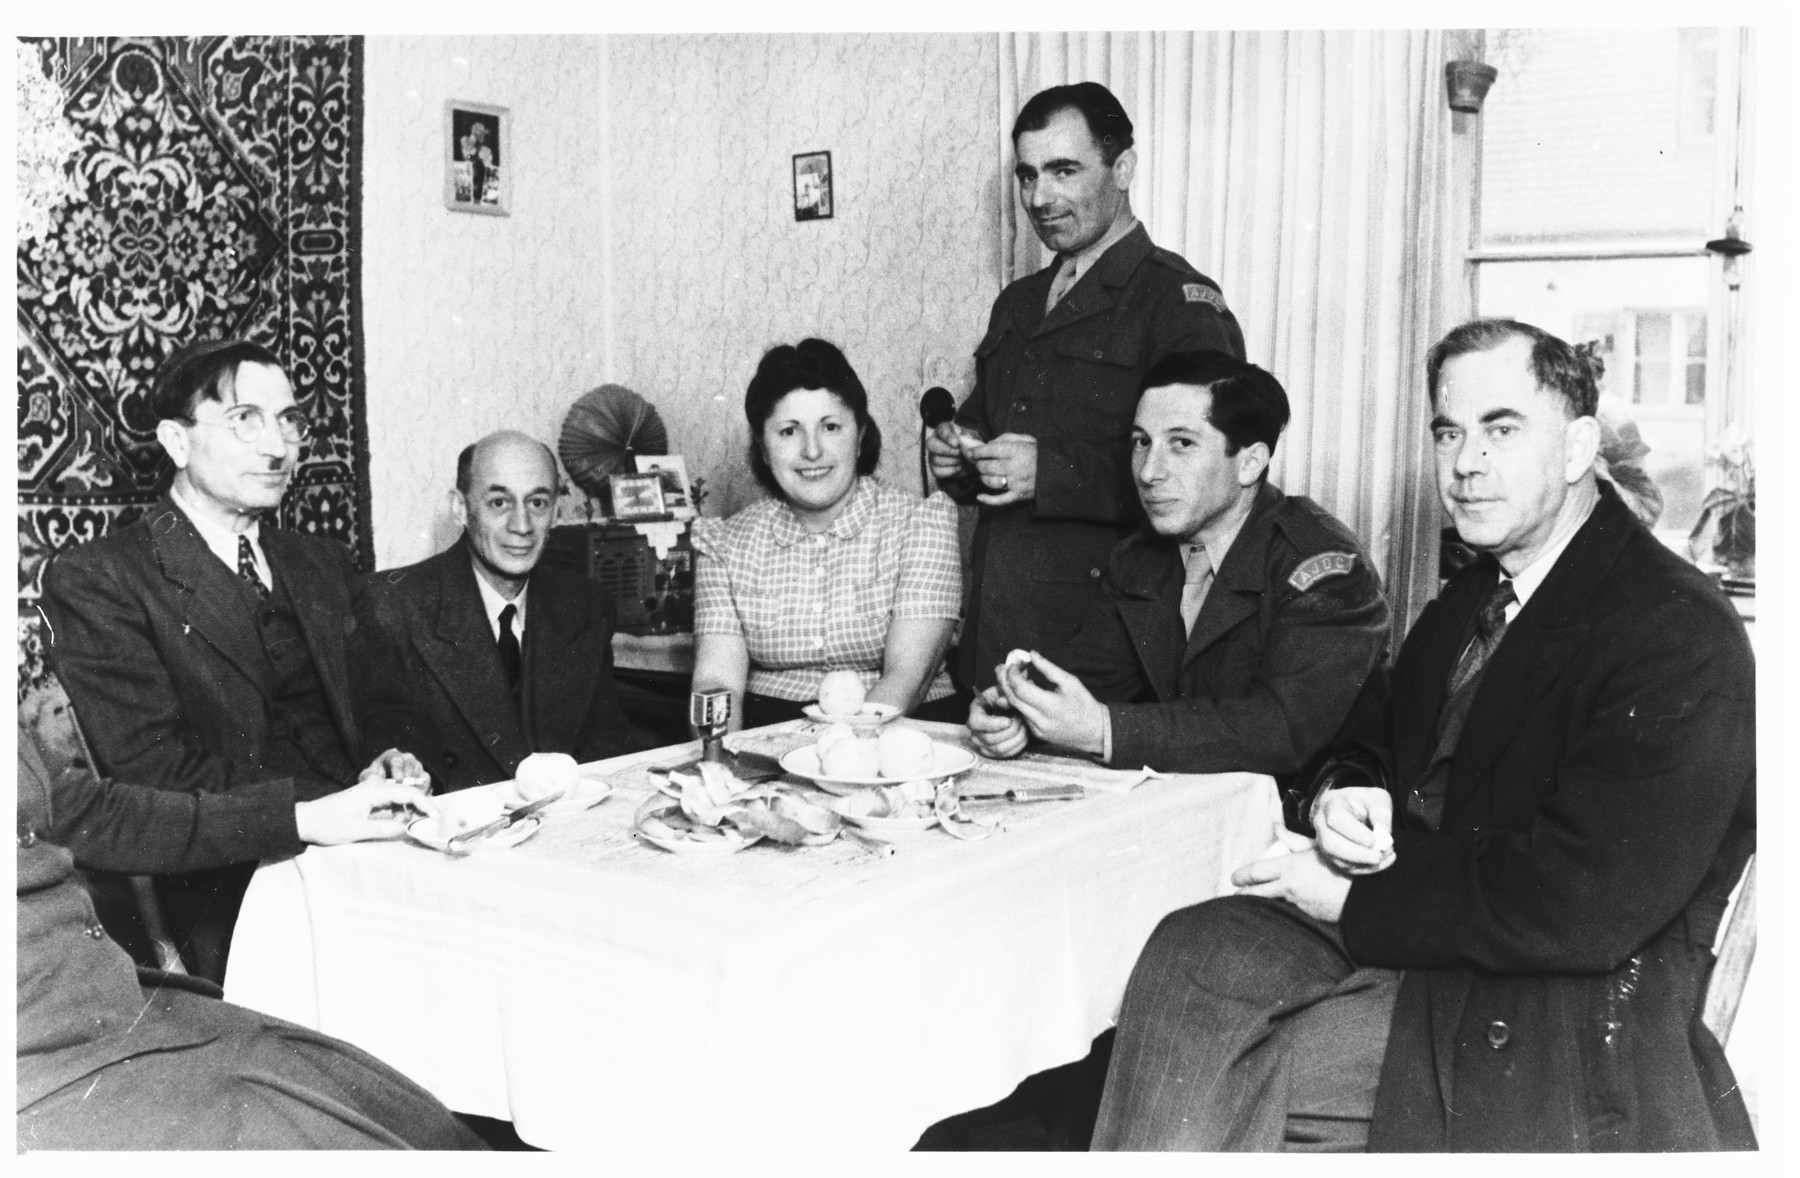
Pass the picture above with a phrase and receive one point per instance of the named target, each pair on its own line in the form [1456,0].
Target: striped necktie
[1425,802]
[1490,627]
[247,567]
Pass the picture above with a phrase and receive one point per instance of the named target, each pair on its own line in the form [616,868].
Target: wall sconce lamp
[1467,83]
[1732,246]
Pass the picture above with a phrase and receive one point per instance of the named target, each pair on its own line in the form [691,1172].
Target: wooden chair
[1735,951]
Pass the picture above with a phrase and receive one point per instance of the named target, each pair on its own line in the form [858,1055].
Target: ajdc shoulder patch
[1199,292]
[1317,568]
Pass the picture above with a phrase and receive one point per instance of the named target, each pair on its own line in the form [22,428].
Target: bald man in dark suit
[496,657]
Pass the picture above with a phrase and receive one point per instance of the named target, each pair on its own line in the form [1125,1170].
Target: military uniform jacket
[443,695]
[1556,931]
[1071,380]
[1293,624]
[172,684]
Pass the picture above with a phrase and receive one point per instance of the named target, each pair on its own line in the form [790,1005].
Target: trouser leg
[1203,1059]
[1335,1048]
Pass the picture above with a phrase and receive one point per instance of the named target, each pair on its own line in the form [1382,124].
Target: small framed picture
[637,496]
[477,158]
[671,469]
[812,186]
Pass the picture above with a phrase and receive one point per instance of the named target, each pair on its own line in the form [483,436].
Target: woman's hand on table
[373,808]
[996,729]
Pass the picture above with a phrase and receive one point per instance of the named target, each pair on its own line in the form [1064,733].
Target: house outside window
[1608,158]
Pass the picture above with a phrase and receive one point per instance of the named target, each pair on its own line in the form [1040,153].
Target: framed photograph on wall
[812,186]
[637,496]
[671,469]
[477,158]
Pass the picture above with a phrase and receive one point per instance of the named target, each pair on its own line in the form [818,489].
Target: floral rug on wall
[215,193]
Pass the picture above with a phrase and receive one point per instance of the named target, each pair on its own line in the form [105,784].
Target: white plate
[886,829]
[861,721]
[589,792]
[946,761]
[428,832]
[733,840]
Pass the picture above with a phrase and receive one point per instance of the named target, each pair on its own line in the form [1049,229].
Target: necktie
[509,644]
[1199,580]
[247,567]
[1065,278]
[1426,802]
[1490,627]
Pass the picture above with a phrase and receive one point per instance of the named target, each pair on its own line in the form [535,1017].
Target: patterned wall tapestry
[221,198]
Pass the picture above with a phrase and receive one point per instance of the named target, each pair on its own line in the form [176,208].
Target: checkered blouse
[809,603]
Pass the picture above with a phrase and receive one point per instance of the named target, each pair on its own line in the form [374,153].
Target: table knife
[505,820]
[1062,792]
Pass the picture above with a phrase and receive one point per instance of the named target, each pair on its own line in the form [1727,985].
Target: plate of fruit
[845,760]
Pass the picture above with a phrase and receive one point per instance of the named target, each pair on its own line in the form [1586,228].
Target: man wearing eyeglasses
[206,650]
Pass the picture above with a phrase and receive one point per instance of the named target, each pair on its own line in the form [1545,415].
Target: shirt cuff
[1106,736]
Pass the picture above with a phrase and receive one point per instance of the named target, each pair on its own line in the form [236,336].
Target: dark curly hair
[809,364]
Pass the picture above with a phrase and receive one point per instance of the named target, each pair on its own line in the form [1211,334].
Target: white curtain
[1306,173]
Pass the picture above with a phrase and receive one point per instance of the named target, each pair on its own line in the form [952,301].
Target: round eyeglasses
[247,423]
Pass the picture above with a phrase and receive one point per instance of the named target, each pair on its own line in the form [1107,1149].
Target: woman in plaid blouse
[837,571]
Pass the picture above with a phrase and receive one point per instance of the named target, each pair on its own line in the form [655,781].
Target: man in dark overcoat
[205,648]
[495,658]
[1042,442]
[1502,936]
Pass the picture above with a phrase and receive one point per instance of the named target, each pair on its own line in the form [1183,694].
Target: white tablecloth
[602,994]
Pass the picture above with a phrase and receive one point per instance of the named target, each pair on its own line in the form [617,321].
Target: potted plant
[1724,537]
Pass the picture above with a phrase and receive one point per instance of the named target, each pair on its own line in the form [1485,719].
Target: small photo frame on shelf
[671,470]
[477,158]
[812,186]
[637,497]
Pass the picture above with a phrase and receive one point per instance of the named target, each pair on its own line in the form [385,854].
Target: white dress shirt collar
[1533,574]
[221,540]
[492,603]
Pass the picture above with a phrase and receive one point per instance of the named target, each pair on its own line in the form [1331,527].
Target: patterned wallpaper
[709,267]
[475,323]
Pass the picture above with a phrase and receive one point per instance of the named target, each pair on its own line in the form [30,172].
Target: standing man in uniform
[1043,443]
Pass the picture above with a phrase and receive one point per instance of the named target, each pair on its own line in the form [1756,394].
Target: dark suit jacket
[164,666]
[80,1005]
[1070,379]
[1556,931]
[446,673]
[1278,653]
